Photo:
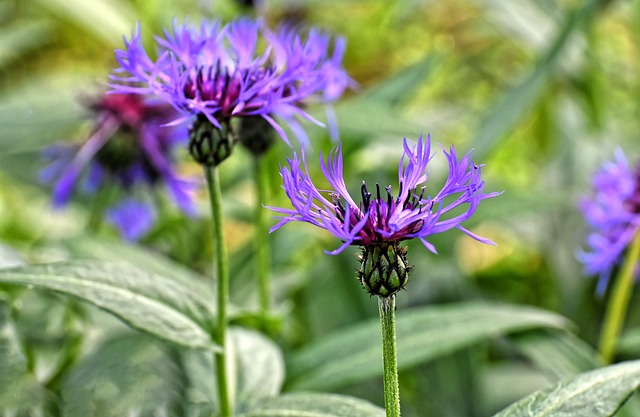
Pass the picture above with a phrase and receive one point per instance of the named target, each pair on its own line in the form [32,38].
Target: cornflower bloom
[613,216]
[216,73]
[381,220]
[128,148]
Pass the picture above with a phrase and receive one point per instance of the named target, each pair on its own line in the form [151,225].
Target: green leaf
[399,87]
[260,366]
[598,393]
[21,37]
[9,257]
[354,354]
[561,354]
[316,405]
[629,343]
[257,372]
[505,115]
[20,392]
[128,374]
[148,302]
[115,17]
[86,247]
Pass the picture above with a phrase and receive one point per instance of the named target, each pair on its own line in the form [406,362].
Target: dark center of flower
[222,89]
[122,153]
[379,210]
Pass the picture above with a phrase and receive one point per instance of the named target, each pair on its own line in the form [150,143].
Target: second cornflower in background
[127,153]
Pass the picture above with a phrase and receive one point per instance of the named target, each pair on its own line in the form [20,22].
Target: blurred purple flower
[381,218]
[219,72]
[613,216]
[128,148]
[132,217]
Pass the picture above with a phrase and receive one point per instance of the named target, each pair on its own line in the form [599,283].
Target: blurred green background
[544,91]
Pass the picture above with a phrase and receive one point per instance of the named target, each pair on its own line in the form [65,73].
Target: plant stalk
[262,243]
[222,295]
[619,302]
[387,308]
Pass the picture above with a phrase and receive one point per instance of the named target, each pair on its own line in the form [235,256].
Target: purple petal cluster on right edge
[613,216]
[382,218]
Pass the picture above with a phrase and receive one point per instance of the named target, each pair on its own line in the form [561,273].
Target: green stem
[387,307]
[100,202]
[222,267]
[617,306]
[262,243]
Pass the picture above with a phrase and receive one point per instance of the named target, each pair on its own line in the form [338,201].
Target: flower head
[219,72]
[613,216]
[382,219]
[128,148]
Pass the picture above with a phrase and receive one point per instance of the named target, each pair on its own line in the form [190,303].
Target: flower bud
[209,145]
[256,134]
[384,268]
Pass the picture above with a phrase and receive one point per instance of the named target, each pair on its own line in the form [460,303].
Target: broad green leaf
[149,302]
[260,368]
[257,370]
[504,116]
[316,405]
[561,354]
[402,84]
[354,354]
[20,392]
[10,257]
[598,393]
[629,343]
[108,19]
[22,36]
[109,249]
[127,374]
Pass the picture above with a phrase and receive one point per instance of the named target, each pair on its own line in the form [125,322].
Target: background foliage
[544,91]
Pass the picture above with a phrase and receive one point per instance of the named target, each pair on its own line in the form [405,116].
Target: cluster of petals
[613,216]
[224,71]
[129,148]
[381,217]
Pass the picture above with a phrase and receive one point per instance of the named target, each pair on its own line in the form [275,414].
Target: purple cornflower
[128,148]
[381,220]
[218,72]
[613,216]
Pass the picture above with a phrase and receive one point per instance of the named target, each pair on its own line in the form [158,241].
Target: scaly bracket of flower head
[613,215]
[380,222]
[219,72]
[256,135]
[383,268]
[209,145]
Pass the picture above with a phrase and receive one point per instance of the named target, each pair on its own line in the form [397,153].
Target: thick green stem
[222,268]
[387,307]
[262,243]
[617,306]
